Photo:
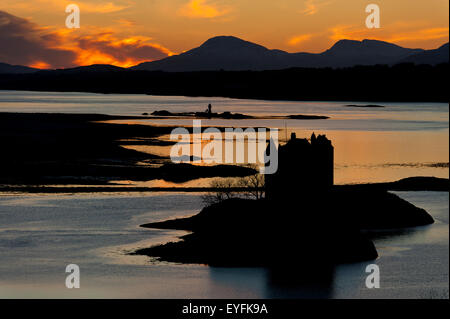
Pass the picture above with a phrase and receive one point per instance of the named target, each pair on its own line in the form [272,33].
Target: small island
[164,114]
[303,220]
[365,105]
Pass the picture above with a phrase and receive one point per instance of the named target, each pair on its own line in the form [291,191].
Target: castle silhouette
[304,167]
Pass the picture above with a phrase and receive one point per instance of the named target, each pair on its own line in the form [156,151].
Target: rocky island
[164,114]
[304,220]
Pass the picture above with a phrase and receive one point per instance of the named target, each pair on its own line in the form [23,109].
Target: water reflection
[400,262]
[299,282]
[368,156]
[309,281]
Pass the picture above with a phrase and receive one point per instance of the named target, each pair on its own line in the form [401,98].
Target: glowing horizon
[128,32]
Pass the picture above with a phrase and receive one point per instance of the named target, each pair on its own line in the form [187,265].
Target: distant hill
[18,69]
[367,52]
[234,54]
[433,57]
[90,68]
[15,69]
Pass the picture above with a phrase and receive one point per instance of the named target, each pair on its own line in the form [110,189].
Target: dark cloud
[24,43]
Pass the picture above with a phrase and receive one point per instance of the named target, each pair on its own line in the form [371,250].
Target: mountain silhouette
[367,52]
[433,57]
[90,68]
[234,54]
[223,52]
[15,69]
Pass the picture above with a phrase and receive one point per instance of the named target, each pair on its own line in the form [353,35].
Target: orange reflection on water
[372,156]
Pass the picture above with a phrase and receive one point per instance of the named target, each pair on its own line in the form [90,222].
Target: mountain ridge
[230,53]
[234,54]
[435,56]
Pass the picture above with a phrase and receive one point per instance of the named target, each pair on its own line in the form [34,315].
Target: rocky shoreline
[42,150]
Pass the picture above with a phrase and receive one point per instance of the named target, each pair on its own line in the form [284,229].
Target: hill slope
[433,57]
[234,54]
[15,69]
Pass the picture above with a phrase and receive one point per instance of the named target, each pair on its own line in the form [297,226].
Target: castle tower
[303,167]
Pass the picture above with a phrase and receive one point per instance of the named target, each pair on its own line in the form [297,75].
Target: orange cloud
[40,65]
[312,7]
[423,34]
[126,23]
[202,9]
[105,7]
[101,6]
[298,39]
[43,47]
[106,48]
[26,43]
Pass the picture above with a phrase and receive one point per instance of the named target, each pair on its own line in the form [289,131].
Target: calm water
[371,145]
[41,234]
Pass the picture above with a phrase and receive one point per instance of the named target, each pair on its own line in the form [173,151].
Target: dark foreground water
[41,234]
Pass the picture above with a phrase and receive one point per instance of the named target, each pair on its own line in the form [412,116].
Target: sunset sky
[127,32]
